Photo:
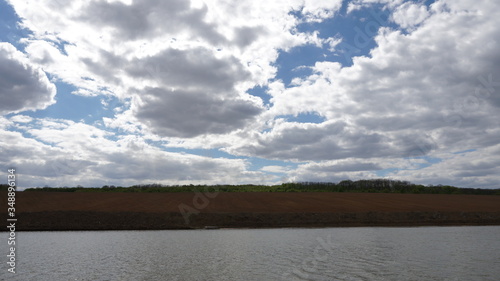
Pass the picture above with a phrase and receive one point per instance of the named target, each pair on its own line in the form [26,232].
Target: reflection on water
[420,253]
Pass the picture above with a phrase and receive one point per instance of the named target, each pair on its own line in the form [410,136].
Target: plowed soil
[79,211]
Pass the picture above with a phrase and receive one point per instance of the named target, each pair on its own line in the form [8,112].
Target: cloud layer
[422,105]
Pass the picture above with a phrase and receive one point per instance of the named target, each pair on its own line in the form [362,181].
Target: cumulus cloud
[88,31]
[314,142]
[275,169]
[414,88]
[208,53]
[478,168]
[408,15]
[334,171]
[21,119]
[344,166]
[319,10]
[63,152]
[23,85]
[150,18]
[426,93]
[195,68]
[428,88]
[178,113]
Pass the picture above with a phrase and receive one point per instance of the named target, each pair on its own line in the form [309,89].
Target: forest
[367,186]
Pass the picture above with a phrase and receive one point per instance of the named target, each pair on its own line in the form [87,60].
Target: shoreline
[92,221]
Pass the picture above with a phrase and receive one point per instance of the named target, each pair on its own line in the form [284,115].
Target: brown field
[61,211]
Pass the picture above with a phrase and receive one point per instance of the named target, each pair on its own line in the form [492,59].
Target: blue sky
[170,92]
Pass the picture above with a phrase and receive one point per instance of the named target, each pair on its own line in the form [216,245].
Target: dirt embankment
[106,211]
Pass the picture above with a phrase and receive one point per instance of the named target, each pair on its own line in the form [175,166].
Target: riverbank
[140,211]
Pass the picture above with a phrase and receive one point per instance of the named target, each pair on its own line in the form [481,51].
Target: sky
[124,92]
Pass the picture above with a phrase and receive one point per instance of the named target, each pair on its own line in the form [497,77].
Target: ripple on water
[419,253]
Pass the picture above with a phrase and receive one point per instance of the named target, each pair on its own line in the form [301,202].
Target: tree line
[368,186]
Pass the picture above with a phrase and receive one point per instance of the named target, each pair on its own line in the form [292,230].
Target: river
[358,253]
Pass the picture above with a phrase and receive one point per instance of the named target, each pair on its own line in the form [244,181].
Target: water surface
[361,253]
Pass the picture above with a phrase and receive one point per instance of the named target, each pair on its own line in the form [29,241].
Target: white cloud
[359,4]
[207,52]
[149,19]
[403,92]
[408,15]
[275,169]
[251,31]
[190,113]
[21,119]
[23,86]
[332,43]
[314,142]
[430,92]
[315,10]
[183,69]
[478,169]
[68,153]
[335,171]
